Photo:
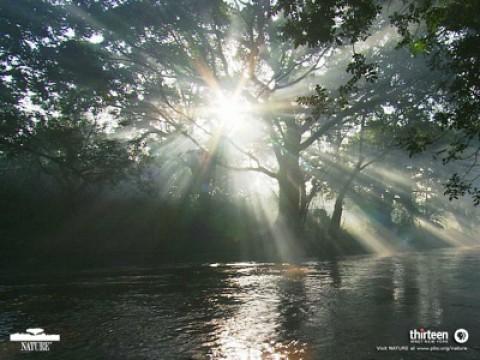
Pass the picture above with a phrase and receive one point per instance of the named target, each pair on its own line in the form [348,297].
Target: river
[340,309]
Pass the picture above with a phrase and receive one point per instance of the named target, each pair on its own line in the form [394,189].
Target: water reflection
[330,310]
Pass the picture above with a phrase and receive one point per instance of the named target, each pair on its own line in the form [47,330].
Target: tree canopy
[311,96]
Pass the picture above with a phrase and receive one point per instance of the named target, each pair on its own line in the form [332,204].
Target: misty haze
[229,179]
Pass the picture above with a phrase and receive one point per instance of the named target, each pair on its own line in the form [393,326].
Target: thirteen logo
[423,336]
[461,336]
[35,340]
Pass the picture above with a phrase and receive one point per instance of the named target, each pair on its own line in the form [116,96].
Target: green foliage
[320,101]
[319,23]
[447,32]
[457,186]
[418,47]
[417,137]
[358,68]
[147,66]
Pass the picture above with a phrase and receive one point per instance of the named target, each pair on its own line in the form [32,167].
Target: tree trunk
[338,208]
[337,214]
[291,198]
[292,193]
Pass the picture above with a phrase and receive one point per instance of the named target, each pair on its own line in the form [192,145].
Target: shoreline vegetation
[112,230]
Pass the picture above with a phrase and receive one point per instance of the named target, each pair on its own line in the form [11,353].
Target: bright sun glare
[231,111]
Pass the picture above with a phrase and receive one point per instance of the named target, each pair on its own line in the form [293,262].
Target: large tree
[162,69]
[156,69]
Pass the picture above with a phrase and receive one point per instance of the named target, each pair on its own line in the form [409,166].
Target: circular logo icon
[461,336]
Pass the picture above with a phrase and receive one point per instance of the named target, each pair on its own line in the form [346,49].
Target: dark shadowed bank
[47,228]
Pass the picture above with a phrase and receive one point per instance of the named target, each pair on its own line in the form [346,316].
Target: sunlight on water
[246,310]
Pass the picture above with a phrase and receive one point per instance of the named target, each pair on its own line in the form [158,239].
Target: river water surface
[315,310]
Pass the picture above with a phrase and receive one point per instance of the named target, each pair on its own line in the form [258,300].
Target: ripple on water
[248,310]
